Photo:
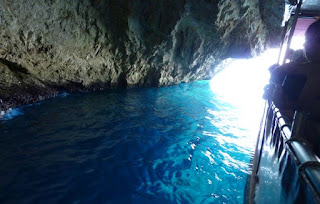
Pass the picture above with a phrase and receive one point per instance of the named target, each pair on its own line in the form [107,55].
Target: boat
[286,163]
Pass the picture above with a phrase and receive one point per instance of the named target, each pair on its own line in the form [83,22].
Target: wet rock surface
[54,45]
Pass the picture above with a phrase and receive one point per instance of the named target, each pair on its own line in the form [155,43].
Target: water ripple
[170,145]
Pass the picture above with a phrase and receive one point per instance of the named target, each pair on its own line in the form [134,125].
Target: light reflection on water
[241,85]
[190,143]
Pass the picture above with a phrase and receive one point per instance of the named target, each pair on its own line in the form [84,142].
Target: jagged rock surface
[48,46]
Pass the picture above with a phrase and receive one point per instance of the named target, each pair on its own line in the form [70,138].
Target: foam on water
[11,113]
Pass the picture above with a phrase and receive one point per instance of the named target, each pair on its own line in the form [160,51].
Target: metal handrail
[308,161]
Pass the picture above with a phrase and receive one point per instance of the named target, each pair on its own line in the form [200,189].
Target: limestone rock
[54,45]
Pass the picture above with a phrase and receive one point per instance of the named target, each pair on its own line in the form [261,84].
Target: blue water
[179,144]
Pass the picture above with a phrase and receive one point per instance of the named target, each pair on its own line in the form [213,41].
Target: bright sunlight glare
[241,85]
[297,42]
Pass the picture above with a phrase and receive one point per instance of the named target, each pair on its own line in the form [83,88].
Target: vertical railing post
[298,125]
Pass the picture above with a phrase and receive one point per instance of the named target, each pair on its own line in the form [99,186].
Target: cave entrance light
[241,84]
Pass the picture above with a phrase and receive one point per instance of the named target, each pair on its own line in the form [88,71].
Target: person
[306,73]
[297,87]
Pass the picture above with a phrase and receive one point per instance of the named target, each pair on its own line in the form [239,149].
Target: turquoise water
[182,144]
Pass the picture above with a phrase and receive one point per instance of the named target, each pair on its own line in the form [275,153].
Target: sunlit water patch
[179,144]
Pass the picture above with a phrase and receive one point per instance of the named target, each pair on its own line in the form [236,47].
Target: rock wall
[53,45]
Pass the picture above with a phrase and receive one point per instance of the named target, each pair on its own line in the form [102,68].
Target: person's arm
[275,91]
[278,75]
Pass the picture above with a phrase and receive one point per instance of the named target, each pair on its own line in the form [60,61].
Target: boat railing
[292,133]
[298,166]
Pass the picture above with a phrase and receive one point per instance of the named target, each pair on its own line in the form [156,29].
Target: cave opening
[241,83]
